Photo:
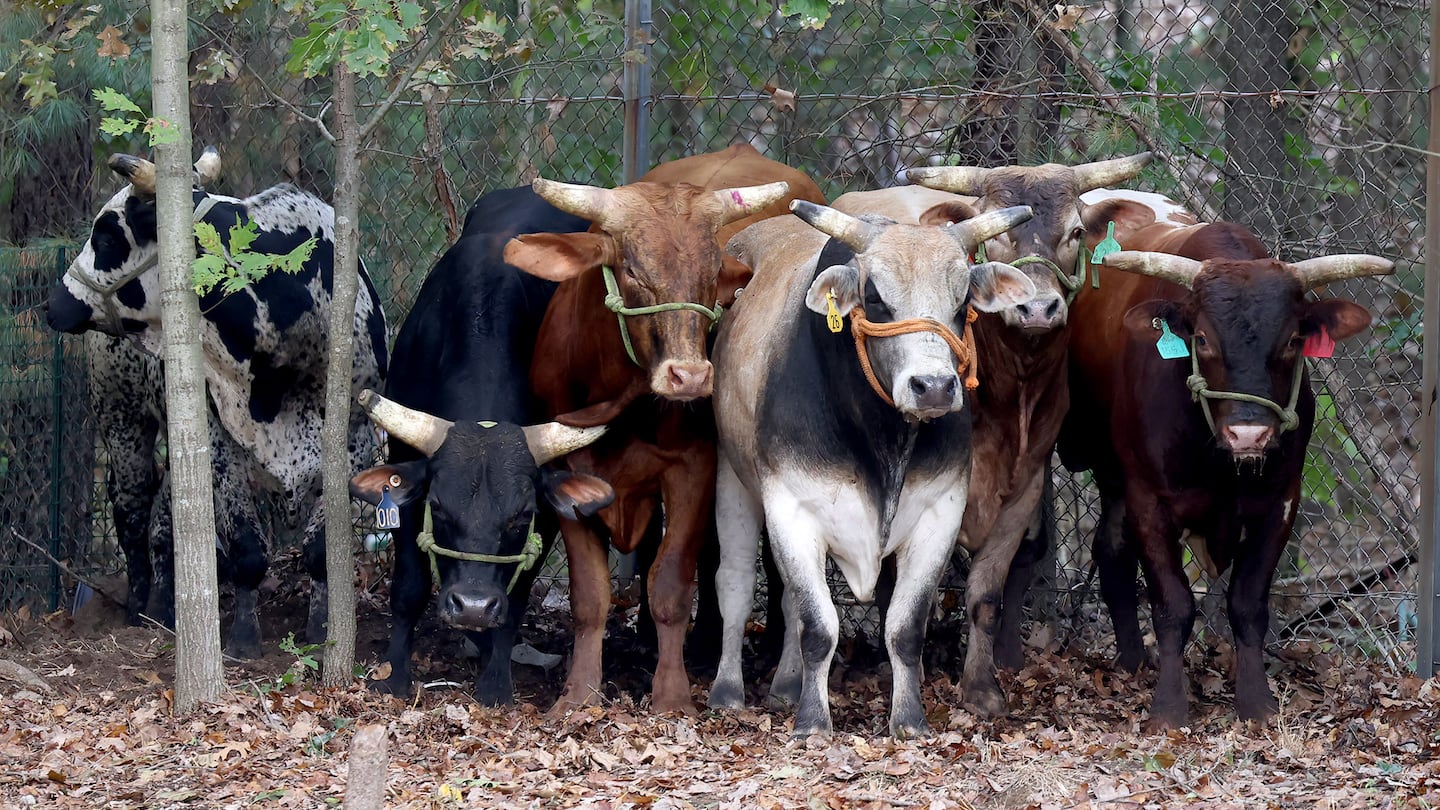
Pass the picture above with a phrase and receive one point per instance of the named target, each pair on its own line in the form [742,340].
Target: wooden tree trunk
[198,672]
[335,451]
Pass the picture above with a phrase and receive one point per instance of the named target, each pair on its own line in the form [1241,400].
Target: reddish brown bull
[1022,354]
[661,241]
[1211,443]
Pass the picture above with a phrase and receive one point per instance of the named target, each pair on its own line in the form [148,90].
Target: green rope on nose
[1071,283]
[616,304]
[528,556]
[1200,392]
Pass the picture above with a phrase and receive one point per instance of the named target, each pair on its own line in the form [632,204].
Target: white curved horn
[743,201]
[1325,269]
[1102,173]
[1178,269]
[854,232]
[207,168]
[590,202]
[418,429]
[139,171]
[955,179]
[550,440]
[971,232]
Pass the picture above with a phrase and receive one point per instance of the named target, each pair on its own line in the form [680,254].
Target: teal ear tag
[1107,246]
[1169,346]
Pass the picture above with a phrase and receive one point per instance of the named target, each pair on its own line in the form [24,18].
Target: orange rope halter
[966,361]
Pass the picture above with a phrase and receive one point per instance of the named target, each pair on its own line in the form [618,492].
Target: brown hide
[657,451]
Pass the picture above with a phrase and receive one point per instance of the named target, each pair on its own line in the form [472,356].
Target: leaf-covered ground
[1350,735]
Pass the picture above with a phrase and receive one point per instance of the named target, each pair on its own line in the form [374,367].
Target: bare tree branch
[67,570]
[404,83]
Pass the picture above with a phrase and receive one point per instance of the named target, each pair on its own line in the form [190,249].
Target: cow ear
[1141,319]
[996,285]
[575,495]
[560,256]
[843,280]
[1341,318]
[948,213]
[405,481]
[734,275]
[1129,216]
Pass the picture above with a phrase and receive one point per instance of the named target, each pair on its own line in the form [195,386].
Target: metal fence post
[636,143]
[57,441]
[1426,598]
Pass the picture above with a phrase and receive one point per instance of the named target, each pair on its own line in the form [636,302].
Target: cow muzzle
[1247,441]
[1043,313]
[682,380]
[470,608]
[930,396]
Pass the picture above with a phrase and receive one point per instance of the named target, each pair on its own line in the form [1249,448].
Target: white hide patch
[827,513]
[1166,209]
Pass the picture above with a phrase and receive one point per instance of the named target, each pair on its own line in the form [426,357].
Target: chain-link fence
[1299,120]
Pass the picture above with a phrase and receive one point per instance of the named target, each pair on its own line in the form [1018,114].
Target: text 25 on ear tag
[1319,344]
[1107,246]
[832,315]
[1170,346]
[387,514]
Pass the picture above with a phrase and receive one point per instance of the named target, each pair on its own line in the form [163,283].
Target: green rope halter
[527,557]
[1200,392]
[1071,283]
[616,304]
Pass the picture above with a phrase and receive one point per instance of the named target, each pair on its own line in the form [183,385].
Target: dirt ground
[1350,734]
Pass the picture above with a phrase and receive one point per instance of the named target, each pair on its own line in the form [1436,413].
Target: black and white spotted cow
[832,460]
[265,347]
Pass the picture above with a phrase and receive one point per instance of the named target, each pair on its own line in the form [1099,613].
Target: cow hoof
[783,694]
[1131,662]
[1009,660]
[985,701]
[1162,721]
[726,696]
[246,649]
[494,697]
[803,730]
[909,729]
[391,686]
[1256,708]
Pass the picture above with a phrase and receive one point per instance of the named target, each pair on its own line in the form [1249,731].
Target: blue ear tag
[387,514]
[1107,246]
[1169,346]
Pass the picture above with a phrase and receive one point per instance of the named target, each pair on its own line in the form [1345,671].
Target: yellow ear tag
[832,318]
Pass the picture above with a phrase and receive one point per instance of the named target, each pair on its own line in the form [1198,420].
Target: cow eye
[630,271]
[1200,340]
[1077,234]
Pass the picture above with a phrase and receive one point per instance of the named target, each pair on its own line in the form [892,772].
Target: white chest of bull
[829,513]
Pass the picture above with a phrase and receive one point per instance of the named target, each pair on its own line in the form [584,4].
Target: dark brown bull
[1212,443]
[662,240]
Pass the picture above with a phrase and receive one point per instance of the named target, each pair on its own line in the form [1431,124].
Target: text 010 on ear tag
[1170,346]
[1319,344]
[387,514]
[832,316]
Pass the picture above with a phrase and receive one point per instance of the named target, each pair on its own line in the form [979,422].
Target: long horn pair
[547,441]
[859,234]
[591,202]
[1311,272]
[971,179]
[141,172]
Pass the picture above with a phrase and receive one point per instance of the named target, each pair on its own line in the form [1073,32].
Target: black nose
[934,390]
[473,611]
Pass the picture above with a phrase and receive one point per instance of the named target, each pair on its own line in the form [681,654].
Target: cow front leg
[688,493]
[162,557]
[785,685]
[246,557]
[737,521]
[800,554]
[1249,607]
[1116,561]
[989,566]
[918,568]
[589,607]
[409,596]
[1172,606]
[313,557]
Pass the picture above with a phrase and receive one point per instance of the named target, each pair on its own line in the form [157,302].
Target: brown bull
[1211,442]
[646,373]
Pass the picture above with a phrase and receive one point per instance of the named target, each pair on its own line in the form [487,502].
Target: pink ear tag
[1319,344]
